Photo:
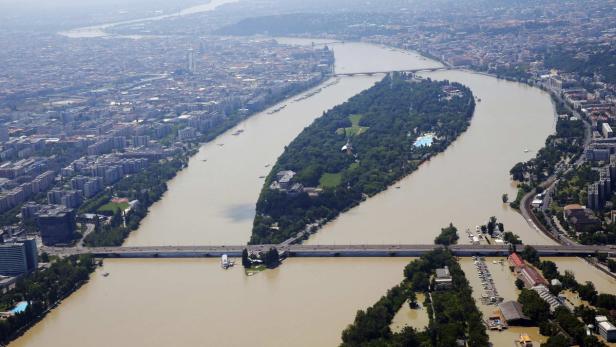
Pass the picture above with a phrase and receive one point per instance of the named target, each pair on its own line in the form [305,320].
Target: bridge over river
[322,251]
[370,73]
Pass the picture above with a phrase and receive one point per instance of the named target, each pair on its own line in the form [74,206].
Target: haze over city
[307,173]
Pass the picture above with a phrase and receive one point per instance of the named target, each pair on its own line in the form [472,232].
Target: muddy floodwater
[306,302]
[504,282]
[583,272]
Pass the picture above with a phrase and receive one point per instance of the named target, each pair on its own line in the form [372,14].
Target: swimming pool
[20,307]
[424,140]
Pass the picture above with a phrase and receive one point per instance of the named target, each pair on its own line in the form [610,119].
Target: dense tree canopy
[379,127]
[454,315]
[448,236]
[42,289]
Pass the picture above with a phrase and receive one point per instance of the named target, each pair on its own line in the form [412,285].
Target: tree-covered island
[358,149]
[452,311]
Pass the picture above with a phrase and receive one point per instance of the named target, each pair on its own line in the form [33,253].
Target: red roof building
[516,260]
[531,277]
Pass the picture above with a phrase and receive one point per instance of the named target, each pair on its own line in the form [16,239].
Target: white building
[606,329]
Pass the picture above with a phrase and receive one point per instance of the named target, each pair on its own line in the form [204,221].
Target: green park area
[355,129]
[112,207]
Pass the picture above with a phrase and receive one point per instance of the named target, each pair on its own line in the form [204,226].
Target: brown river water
[305,302]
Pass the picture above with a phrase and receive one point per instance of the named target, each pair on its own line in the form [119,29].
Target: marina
[503,281]
[490,294]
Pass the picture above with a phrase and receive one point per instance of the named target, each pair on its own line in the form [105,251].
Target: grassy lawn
[330,180]
[112,207]
[355,129]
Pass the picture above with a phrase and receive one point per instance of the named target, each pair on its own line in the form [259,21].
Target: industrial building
[512,313]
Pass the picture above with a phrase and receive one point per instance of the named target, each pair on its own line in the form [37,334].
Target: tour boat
[224,261]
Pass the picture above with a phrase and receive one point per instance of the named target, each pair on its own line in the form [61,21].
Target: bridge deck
[390,71]
[324,251]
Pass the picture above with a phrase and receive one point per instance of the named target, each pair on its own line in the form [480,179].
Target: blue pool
[424,140]
[20,307]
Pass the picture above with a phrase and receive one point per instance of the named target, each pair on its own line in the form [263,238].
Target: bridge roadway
[389,71]
[322,251]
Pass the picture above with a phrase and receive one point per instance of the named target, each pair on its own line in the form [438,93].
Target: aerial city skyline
[291,173]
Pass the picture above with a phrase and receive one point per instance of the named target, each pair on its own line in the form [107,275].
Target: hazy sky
[70,13]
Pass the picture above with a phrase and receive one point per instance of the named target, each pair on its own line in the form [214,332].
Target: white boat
[224,261]
[526,150]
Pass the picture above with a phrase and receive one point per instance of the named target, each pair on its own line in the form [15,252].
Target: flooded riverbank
[504,281]
[464,184]
[306,302]
[584,271]
[157,302]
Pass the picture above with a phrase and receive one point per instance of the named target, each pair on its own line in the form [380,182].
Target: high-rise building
[191,64]
[612,170]
[57,224]
[606,130]
[593,197]
[18,257]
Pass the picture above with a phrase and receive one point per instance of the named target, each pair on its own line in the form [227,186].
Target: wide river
[305,302]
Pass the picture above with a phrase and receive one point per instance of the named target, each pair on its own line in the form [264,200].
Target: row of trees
[561,326]
[391,115]
[42,289]
[453,313]
[147,187]
[564,325]
[566,143]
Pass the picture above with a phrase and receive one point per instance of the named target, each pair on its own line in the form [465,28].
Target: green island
[358,149]
[452,311]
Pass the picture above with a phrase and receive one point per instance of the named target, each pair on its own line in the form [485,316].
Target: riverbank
[212,203]
[149,186]
[60,279]
[453,314]
[101,29]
